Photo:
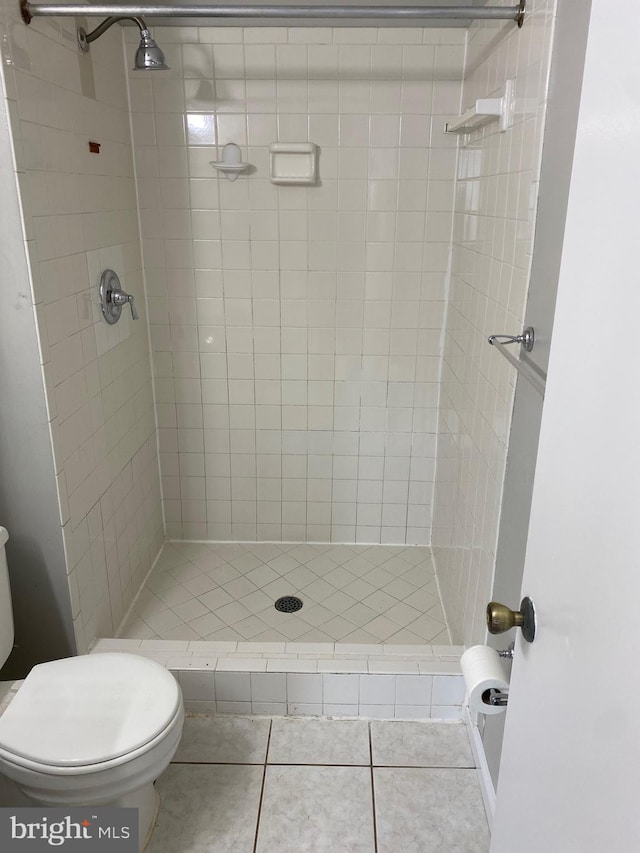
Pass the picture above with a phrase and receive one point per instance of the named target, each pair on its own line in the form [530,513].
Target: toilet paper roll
[483,669]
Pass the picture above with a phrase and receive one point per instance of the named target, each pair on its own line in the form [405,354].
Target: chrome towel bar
[527,338]
[526,369]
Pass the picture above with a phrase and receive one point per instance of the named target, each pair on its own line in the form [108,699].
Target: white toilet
[89,730]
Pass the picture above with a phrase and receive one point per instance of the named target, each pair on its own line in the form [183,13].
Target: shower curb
[310,679]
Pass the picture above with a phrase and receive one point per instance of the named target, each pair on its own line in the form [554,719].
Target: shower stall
[306,413]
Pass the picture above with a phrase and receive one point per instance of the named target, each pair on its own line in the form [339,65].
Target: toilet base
[146,800]
[144,843]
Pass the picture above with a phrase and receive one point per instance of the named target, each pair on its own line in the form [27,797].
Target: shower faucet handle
[112,297]
[119,297]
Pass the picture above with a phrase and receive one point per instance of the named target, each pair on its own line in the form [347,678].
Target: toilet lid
[88,709]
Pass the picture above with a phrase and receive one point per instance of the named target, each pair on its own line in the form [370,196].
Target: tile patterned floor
[351,594]
[290,785]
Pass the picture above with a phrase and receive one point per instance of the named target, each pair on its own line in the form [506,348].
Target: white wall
[80,216]
[297,331]
[496,195]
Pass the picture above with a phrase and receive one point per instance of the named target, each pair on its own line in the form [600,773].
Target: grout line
[325,764]
[313,764]
[221,763]
[269,763]
[422,767]
[373,792]
[264,779]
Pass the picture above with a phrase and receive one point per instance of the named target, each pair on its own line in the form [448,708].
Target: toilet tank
[6,612]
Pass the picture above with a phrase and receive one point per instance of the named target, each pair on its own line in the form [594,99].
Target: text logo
[76,830]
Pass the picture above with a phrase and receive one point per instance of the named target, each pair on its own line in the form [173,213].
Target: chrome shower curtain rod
[398,13]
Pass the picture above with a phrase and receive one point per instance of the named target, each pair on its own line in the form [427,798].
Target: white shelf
[485,110]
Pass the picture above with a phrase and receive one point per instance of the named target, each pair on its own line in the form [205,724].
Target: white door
[570,771]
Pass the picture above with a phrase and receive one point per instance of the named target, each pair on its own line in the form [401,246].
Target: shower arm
[402,13]
[85,38]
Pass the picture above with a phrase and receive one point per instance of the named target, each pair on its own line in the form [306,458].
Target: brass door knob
[501,618]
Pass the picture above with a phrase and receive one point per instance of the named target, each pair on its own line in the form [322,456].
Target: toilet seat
[19,762]
[88,713]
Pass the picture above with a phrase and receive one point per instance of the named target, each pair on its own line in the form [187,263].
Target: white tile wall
[79,217]
[296,331]
[496,193]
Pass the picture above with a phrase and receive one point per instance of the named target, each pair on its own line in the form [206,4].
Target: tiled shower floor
[351,594]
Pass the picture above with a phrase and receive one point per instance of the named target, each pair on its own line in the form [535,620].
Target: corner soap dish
[231,164]
[293,163]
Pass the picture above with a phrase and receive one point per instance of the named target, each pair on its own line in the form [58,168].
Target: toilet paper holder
[495,697]
[507,653]
[486,680]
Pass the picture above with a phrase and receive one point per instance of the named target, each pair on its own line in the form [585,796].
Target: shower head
[149,57]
